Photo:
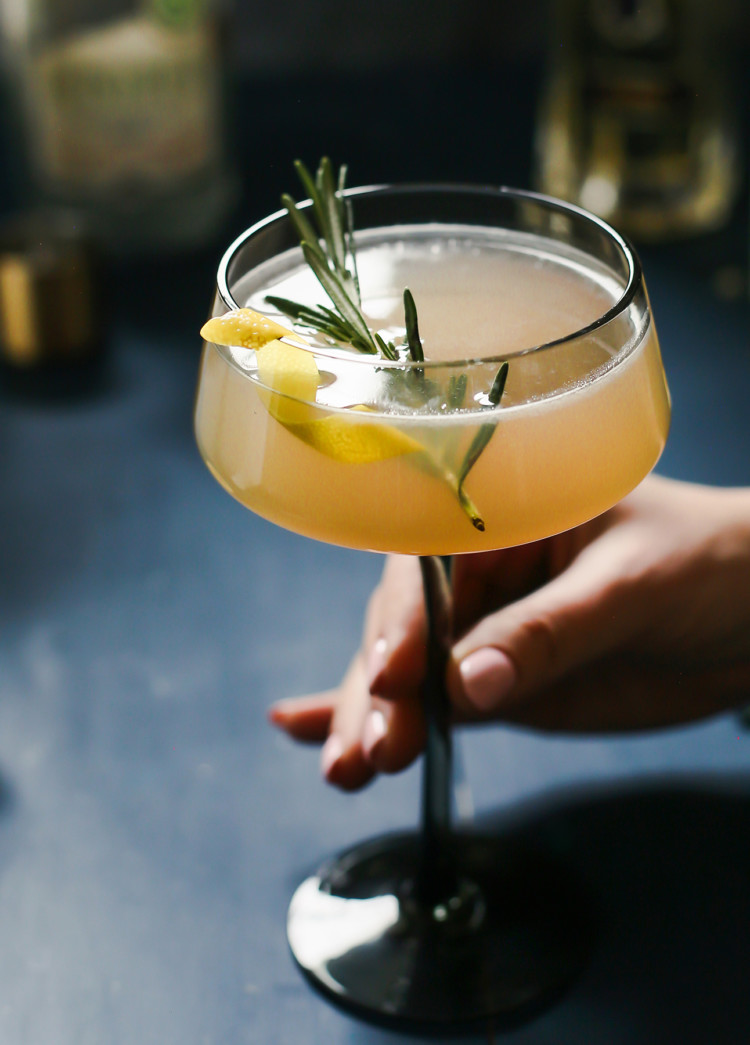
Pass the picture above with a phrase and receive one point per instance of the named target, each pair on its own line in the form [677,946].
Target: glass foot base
[509,935]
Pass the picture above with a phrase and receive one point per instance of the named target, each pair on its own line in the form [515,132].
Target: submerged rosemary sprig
[483,436]
[328,248]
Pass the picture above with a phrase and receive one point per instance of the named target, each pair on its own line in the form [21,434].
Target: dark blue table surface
[152,826]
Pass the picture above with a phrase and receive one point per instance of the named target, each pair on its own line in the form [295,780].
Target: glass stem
[435,880]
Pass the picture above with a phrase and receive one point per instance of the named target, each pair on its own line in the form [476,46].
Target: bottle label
[178,13]
[133,102]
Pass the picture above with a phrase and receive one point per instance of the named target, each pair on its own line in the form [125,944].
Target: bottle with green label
[120,114]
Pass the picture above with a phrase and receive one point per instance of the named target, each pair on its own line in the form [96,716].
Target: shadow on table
[7,796]
[667,864]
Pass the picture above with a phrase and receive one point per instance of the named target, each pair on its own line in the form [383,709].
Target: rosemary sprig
[328,248]
[483,436]
[329,251]
[322,319]
[457,390]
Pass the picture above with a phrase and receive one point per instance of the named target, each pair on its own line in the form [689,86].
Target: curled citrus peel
[289,380]
[245,328]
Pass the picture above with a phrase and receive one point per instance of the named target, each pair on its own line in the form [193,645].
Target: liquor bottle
[119,115]
[636,120]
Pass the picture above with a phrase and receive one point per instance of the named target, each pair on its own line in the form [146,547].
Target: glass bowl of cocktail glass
[430,457]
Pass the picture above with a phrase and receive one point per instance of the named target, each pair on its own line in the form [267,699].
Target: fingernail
[375,728]
[488,675]
[331,752]
[376,663]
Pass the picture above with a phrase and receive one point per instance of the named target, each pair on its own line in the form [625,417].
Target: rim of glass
[631,288]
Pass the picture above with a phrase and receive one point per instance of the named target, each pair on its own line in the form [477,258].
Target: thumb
[578,617]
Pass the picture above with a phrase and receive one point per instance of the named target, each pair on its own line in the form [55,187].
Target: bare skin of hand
[636,620]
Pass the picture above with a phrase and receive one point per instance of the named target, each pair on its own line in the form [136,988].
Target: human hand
[637,619]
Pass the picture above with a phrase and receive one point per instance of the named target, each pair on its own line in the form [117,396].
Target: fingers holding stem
[362,727]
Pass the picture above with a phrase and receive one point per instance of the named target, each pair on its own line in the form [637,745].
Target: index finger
[395,630]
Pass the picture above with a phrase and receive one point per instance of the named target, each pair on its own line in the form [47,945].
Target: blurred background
[163,127]
[151,827]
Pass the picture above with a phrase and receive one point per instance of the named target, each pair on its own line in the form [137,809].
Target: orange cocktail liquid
[578,427]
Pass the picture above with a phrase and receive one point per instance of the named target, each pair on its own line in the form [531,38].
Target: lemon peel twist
[289,380]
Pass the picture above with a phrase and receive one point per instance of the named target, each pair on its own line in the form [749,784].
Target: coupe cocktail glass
[440,927]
